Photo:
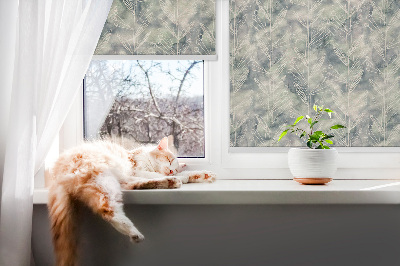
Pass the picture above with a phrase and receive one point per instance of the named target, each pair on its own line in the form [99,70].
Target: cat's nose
[171,172]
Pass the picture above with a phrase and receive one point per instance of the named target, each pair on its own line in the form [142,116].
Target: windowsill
[264,192]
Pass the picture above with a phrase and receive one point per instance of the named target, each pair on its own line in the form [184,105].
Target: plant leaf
[337,126]
[327,137]
[329,141]
[303,134]
[283,134]
[315,107]
[309,143]
[316,136]
[313,123]
[322,146]
[298,120]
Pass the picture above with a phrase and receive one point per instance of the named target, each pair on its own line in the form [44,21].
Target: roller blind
[287,55]
[157,29]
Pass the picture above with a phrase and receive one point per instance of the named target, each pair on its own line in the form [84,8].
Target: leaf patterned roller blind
[286,55]
[184,28]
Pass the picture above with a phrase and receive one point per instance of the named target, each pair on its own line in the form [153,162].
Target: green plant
[316,139]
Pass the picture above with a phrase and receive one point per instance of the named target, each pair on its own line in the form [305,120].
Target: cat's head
[165,162]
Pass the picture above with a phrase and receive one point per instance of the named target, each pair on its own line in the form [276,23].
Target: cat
[94,174]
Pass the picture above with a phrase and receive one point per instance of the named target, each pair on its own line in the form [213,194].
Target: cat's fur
[94,174]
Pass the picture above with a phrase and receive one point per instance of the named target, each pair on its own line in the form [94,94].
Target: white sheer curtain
[54,44]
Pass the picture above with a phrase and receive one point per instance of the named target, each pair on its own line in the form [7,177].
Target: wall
[237,235]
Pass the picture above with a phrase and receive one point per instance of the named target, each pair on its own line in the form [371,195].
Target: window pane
[288,55]
[140,102]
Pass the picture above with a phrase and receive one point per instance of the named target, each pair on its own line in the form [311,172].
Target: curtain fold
[55,41]
[8,16]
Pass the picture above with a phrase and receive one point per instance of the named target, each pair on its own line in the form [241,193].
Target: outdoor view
[139,102]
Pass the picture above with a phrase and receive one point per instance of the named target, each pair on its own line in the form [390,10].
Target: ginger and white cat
[94,174]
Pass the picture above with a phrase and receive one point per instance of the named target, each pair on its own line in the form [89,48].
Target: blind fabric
[183,28]
[286,55]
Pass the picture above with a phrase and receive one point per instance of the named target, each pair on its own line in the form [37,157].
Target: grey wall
[237,235]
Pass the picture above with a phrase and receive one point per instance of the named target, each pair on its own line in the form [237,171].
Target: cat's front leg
[147,174]
[197,177]
[155,183]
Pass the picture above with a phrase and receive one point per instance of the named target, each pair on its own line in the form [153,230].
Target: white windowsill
[264,192]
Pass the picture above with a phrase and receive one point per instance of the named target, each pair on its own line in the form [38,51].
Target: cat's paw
[182,167]
[137,237]
[174,182]
[201,177]
[209,177]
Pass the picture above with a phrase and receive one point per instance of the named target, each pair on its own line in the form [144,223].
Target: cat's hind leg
[103,195]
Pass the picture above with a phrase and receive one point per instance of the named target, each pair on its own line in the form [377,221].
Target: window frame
[246,163]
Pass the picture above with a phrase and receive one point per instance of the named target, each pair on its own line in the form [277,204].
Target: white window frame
[246,163]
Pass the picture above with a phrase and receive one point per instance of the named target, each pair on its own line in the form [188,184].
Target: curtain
[55,41]
[8,16]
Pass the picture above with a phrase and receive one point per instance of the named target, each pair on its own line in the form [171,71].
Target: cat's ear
[171,146]
[163,145]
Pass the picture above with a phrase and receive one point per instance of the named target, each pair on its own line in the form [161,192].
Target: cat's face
[165,162]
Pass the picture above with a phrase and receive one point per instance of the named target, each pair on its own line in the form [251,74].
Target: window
[139,102]
[147,81]
[255,155]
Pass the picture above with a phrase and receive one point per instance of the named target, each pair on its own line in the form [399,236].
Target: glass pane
[287,55]
[140,102]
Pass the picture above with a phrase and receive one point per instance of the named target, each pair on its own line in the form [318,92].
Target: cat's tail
[62,212]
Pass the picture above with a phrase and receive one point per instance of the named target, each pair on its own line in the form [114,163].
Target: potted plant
[315,164]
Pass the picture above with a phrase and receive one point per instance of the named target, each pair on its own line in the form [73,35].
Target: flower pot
[312,166]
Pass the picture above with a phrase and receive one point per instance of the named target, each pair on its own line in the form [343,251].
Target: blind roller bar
[155,57]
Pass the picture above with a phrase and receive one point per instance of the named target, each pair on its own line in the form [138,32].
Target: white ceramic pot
[312,166]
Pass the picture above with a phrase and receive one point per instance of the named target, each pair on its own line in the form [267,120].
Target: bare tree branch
[183,81]
[162,117]
[146,72]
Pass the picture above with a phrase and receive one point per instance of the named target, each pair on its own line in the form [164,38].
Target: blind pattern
[287,55]
[159,27]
